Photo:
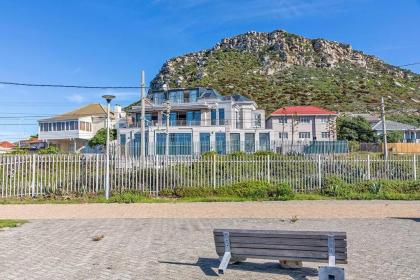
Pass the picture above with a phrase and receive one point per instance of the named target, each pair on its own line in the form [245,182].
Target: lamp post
[165,88]
[108,99]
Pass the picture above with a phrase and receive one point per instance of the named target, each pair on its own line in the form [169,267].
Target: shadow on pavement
[209,267]
[407,218]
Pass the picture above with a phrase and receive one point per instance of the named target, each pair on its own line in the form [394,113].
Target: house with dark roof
[71,131]
[300,124]
[411,133]
[200,120]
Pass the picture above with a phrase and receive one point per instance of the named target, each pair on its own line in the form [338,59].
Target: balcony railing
[182,123]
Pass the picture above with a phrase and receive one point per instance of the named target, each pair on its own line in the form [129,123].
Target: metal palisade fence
[32,175]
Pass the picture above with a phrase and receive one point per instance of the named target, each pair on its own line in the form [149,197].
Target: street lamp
[108,99]
[168,112]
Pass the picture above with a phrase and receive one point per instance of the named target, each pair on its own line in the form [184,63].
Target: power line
[409,64]
[68,86]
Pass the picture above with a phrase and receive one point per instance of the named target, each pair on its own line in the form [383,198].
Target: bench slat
[339,261]
[280,241]
[283,254]
[282,233]
[220,247]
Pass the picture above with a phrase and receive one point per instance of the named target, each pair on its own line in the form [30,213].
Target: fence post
[268,168]
[214,171]
[319,172]
[157,174]
[33,174]
[368,167]
[414,167]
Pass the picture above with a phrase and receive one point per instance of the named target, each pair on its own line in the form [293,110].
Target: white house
[411,133]
[71,131]
[200,120]
[303,124]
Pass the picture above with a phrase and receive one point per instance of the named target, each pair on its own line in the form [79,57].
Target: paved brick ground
[184,249]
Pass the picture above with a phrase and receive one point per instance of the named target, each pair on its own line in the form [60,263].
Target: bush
[209,154]
[19,151]
[237,154]
[128,197]
[194,191]
[49,150]
[335,186]
[281,191]
[264,153]
[167,192]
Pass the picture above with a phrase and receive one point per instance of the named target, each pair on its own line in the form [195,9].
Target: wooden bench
[234,245]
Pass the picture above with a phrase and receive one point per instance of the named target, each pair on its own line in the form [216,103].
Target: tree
[100,137]
[355,129]
[394,136]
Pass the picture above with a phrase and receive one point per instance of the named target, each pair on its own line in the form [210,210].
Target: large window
[221,143]
[123,139]
[62,126]
[193,95]
[213,116]
[235,142]
[282,119]
[193,118]
[221,116]
[304,135]
[283,135]
[158,98]
[179,143]
[325,135]
[176,96]
[204,142]
[323,119]
[257,119]
[264,141]
[305,119]
[249,142]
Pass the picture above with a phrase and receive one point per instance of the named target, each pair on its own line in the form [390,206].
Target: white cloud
[76,98]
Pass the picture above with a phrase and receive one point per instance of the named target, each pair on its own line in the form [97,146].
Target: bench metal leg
[331,272]
[226,257]
[224,263]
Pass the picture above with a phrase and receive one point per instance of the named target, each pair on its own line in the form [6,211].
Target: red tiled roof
[302,110]
[7,145]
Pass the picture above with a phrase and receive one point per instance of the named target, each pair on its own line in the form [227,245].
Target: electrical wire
[69,86]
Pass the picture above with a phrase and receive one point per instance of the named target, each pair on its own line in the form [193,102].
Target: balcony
[178,123]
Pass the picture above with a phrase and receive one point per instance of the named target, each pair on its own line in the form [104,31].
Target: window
[257,120]
[282,119]
[176,96]
[283,135]
[304,135]
[122,139]
[193,95]
[305,119]
[249,142]
[158,98]
[221,143]
[323,119]
[235,142]
[213,116]
[221,116]
[325,134]
[82,126]
[264,141]
[204,142]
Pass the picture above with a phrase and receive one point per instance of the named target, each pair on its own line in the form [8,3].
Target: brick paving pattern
[184,249]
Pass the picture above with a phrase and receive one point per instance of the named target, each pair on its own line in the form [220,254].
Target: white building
[200,120]
[410,133]
[71,131]
[301,124]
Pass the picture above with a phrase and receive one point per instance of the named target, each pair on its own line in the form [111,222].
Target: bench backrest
[309,246]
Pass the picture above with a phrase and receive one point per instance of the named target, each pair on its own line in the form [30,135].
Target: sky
[108,43]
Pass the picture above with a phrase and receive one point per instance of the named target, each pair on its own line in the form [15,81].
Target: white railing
[32,175]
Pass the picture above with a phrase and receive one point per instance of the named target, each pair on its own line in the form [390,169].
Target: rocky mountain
[279,69]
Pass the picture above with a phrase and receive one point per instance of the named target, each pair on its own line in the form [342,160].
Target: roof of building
[94,109]
[394,126]
[236,97]
[302,110]
[7,145]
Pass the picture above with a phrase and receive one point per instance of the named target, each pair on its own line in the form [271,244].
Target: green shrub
[335,186]
[194,191]
[19,151]
[281,191]
[49,150]
[237,154]
[167,192]
[209,154]
[246,189]
[128,197]
[264,153]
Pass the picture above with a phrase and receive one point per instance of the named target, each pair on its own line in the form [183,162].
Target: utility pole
[384,128]
[168,113]
[142,119]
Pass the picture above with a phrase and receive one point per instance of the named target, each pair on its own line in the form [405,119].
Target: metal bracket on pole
[227,255]
[331,250]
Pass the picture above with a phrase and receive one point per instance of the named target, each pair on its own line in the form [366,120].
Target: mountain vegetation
[279,69]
